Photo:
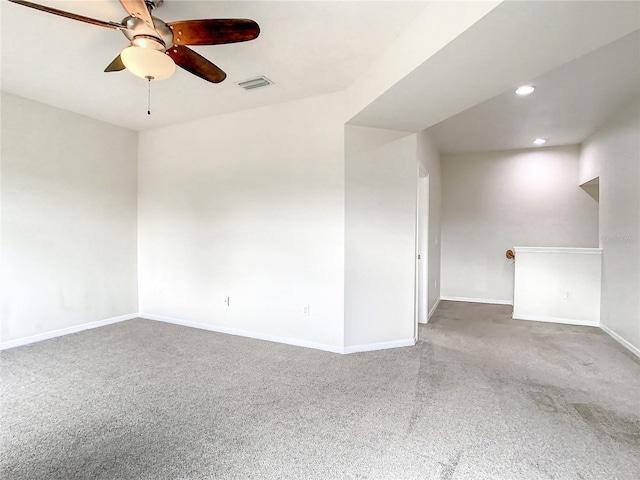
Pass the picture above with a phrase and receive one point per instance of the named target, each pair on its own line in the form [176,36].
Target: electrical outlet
[226,301]
[567,295]
[306,310]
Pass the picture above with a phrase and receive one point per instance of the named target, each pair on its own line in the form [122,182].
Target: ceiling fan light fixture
[147,56]
[148,62]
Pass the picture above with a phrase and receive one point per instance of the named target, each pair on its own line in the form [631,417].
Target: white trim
[410,342]
[433,310]
[477,300]
[213,328]
[65,331]
[583,251]
[243,333]
[621,340]
[564,321]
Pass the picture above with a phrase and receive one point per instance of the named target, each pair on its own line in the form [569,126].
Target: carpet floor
[480,397]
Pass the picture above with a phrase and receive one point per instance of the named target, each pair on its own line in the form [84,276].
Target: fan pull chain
[149,78]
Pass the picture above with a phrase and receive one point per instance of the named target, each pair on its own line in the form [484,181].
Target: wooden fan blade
[214,31]
[73,16]
[195,63]
[116,65]
[138,9]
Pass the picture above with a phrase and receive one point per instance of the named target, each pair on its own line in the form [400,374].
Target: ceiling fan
[157,47]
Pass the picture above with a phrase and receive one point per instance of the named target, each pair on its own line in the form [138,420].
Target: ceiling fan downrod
[153,4]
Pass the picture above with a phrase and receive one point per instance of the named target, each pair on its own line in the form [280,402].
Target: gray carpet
[480,397]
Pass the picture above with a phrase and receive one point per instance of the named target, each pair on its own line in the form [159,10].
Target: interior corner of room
[340,219]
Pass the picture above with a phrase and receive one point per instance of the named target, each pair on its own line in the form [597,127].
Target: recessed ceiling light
[525,90]
[539,141]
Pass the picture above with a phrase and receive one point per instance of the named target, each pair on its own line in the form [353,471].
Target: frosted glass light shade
[148,62]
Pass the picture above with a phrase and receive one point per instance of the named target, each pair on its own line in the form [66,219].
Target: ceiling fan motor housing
[137,28]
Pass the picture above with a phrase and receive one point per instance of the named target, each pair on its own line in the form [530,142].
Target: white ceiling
[568,104]
[581,56]
[515,43]
[307,48]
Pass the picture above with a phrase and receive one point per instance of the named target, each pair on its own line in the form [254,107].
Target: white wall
[68,219]
[560,285]
[248,205]
[429,159]
[612,154]
[380,235]
[494,201]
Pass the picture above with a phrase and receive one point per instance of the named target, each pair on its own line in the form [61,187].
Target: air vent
[256,82]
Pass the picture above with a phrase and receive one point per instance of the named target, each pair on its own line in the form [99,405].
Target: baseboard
[379,346]
[243,333]
[564,321]
[65,331]
[432,311]
[203,326]
[477,300]
[621,341]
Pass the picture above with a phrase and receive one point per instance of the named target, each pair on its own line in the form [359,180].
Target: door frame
[422,252]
